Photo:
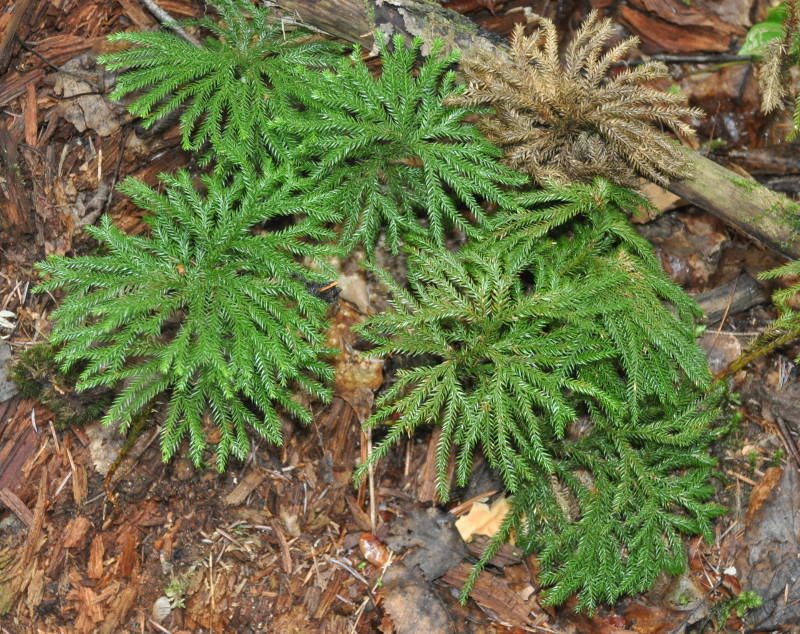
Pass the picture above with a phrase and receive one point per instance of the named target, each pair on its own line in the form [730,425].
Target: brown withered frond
[771,79]
[772,72]
[570,121]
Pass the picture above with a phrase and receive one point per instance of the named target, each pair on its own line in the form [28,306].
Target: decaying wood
[767,216]
[13,24]
[731,298]
[17,444]
[16,214]
[762,214]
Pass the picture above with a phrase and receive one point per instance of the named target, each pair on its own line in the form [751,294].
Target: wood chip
[248,484]
[95,567]
[32,543]
[35,591]
[329,594]
[286,555]
[10,499]
[75,533]
[128,559]
[80,485]
[31,115]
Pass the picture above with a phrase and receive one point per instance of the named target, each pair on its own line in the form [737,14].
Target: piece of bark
[768,556]
[733,297]
[15,22]
[426,482]
[672,37]
[246,486]
[12,85]
[508,555]
[18,442]
[492,594]
[755,210]
[95,567]
[16,209]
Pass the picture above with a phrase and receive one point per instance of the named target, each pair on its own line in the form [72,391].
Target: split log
[766,216]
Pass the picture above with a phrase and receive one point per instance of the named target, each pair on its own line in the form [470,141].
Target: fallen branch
[766,216]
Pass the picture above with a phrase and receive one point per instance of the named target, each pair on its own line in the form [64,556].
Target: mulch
[279,542]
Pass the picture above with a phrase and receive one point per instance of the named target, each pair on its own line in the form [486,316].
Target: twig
[211,586]
[725,315]
[741,477]
[168,21]
[755,352]
[791,446]
[373,507]
[721,58]
[159,627]
[348,568]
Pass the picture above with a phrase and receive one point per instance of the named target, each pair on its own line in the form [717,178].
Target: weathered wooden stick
[767,216]
[731,298]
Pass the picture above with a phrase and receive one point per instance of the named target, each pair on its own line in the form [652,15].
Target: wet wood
[32,543]
[760,213]
[61,48]
[15,206]
[31,114]
[731,298]
[15,84]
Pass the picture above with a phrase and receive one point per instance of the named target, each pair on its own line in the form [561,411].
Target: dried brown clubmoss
[772,73]
[571,121]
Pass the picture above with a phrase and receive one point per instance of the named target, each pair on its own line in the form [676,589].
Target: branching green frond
[231,88]
[204,309]
[614,515]
[382,151]
[572,122]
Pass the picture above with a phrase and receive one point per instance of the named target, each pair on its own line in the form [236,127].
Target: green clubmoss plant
[204,310]
[559,359]
[387,153]
[230,88]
